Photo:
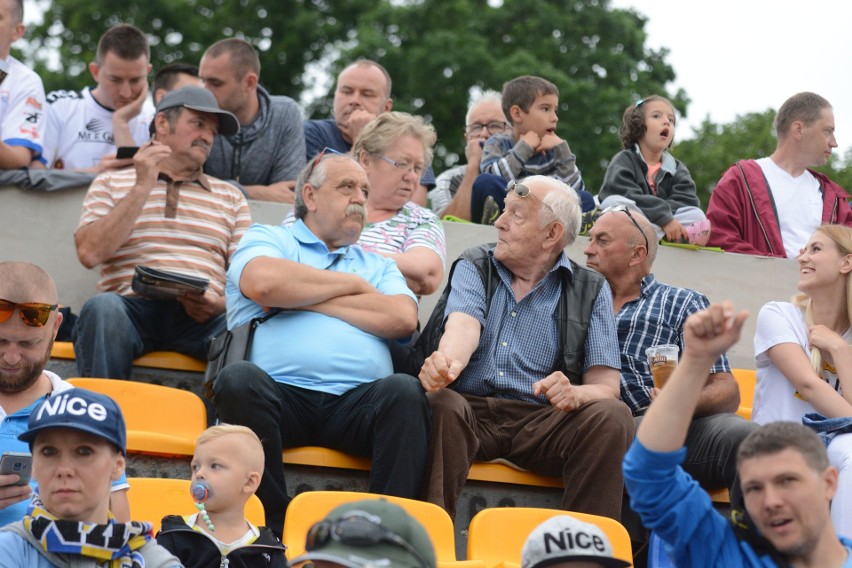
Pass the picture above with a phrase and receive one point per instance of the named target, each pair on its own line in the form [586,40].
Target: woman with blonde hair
[394,149]
[804,358]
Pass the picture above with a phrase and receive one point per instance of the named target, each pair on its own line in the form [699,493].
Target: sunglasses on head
[625,209]
[33,314]
[318,159]
[358,529]
[521,190]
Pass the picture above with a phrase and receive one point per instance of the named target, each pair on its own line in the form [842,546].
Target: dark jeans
[387,420]
[711,450]
[495,186]
[114,330]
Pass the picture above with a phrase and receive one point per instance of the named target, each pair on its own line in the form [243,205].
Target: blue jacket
[679,511]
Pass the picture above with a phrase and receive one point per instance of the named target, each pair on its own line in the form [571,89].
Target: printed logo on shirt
[32,117]
[31,132]
[33,103]
[96,131]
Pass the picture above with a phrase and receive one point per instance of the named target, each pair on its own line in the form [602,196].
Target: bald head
[23,282]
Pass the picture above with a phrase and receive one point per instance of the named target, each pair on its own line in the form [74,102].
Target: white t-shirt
[799,204]
[79,129]
[22,109]
[775,398]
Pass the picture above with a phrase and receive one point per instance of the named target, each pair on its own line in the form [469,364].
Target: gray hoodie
[269,150]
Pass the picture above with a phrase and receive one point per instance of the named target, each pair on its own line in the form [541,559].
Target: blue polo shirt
[308,349]
[12,426]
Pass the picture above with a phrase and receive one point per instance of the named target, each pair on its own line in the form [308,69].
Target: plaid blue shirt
[656,317]
[519,341]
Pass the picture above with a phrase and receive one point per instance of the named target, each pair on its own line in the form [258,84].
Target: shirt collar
[197,177]
[668,162]
[562,261]
[304,235]
[647,285]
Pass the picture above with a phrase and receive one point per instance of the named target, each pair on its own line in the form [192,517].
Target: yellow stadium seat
[497,535]
[152,498]
[160,420]
[746,380]
[310,507]
[155,359]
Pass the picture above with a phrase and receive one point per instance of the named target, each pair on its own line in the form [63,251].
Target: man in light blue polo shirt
[29,321]
[320,371]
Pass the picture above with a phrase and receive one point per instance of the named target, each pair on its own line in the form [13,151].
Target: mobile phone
[125,152]
[16,462]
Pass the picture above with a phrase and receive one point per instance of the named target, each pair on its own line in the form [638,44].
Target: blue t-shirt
[308,349]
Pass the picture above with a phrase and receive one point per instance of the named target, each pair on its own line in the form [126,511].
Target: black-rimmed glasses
[33,314]
[358,528]
[625,209]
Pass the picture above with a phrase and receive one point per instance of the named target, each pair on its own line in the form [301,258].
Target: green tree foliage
[435,50]
[715,147]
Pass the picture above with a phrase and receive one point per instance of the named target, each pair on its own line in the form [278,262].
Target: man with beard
[163,213]
[320,371]
[29,321]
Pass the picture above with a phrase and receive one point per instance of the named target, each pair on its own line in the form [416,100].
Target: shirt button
[514,314]
[505,344]
[500,373]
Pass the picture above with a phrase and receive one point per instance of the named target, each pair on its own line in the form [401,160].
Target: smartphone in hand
[16,462]
[125,152]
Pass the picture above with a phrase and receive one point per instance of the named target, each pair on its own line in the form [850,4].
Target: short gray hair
[649,232]
[318,169]
[563,207]
[489,96]
[382,133]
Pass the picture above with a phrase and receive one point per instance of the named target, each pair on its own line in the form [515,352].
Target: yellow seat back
[746,381]
[152,498]
[497,535]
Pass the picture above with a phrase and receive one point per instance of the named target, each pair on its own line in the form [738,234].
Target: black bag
[230,347]
[164,285]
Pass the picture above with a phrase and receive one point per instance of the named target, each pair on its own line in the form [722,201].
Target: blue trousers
[114,330]
[495,186]
[387,420]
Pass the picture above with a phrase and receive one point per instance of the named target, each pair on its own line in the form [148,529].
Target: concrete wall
[39,227]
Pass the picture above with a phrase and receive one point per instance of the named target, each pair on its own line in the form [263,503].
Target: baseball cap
[202,100]
[565,539]
[79,409]
[368,533]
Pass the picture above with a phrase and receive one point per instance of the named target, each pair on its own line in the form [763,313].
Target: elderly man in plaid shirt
[534,368]
[622,247]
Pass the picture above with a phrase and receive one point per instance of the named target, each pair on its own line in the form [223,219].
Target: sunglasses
[33,314]
[318,159]
[521,190]
[625,209]
[358,529]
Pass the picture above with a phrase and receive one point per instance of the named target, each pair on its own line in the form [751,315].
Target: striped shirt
[510,159]
[519,344]
[412,226]
[189,227]
[656,317]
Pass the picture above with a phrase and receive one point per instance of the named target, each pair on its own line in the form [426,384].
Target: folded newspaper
[163,285]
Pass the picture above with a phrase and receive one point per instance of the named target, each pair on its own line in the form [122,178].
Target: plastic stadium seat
[497,535]
[153,498]
[310,507]
[746,380]
[160,420]
[155,359]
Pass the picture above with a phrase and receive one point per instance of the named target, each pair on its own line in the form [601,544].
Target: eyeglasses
[521,190]
[415,168]
[625,209]
[358,529]
[494,127]
[33,314]
[318,159]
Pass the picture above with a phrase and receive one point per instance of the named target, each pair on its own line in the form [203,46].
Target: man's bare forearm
[389,317]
